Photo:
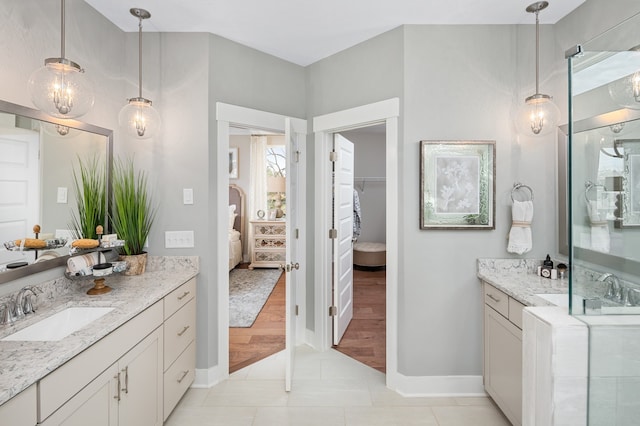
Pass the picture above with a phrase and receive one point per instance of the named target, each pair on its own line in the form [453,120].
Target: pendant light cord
[537,52]
[62,29]
[140,56]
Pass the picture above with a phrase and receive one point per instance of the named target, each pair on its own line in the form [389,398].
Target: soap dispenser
[547,267]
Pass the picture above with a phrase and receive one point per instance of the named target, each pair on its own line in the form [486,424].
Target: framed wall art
[457,184]
[233,163]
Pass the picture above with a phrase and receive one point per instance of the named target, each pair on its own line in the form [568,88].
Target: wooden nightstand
[268,243]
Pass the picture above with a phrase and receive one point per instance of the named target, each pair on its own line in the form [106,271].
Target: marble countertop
[23,363]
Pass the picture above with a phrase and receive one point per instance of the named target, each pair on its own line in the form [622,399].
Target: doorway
[365,337]
[256,281]
[387,113]
[295,134]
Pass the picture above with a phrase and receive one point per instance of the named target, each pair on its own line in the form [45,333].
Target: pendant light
[538,115]
[60,88]
[138,118]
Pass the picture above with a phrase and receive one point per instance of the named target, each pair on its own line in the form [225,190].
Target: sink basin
[59,325]
[560,299]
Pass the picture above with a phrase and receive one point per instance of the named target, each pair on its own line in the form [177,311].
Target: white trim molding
[439,386]
[208,377]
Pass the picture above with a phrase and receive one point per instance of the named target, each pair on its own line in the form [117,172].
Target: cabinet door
[140,372]
[95,405]
[21,410]
[503,364]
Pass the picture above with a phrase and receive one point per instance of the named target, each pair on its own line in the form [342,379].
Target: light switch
[187,196]
[62,195]
[178,239]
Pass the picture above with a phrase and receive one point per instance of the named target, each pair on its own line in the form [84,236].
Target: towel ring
[588,185]
[517,186]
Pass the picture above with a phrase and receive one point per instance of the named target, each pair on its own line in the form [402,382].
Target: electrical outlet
[178,239]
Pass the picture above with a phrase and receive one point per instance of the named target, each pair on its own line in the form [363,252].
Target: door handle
[291,266]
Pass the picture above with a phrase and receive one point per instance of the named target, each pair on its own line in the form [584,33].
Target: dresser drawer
[496,299]
[179,297]
[178,378]
[179,331]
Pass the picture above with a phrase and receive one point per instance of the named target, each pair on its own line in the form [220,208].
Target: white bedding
[235,248]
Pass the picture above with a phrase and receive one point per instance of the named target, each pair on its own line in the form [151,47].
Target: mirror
[40,154]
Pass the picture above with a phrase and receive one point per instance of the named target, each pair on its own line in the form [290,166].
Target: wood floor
[364,340]
[265,337]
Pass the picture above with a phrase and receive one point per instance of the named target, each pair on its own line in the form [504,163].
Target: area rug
[248,292]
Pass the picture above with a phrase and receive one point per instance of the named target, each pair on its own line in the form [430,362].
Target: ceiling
[305,31]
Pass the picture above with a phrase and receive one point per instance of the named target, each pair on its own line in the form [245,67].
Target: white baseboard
[440,386]
[208,377]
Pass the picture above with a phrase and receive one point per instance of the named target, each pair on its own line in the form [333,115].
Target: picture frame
[457,184]
[233,163]
[630,184]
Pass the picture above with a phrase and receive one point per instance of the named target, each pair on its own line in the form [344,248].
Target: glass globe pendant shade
[537,116]
[139,119]
[60,89]
[626,91]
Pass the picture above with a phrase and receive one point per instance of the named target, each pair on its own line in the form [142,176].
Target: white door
[19,184]
[342,244]
[291,258]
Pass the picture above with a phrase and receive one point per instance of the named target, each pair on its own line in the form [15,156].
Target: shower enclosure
[602,149]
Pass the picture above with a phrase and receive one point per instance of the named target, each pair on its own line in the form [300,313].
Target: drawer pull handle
[184,374]
[117,395]
[492,297]
[184,330]
[185,294]
[126,380]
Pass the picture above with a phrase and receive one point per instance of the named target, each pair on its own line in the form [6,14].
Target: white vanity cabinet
[21,409]
[128,392]
[503,351]
[179,343]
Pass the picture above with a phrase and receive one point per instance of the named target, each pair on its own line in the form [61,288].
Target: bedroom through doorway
[257,168]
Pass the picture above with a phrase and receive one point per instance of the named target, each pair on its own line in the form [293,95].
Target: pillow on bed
[232,215]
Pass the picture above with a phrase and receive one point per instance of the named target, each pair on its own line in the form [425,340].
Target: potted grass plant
[132,213]
[90,190]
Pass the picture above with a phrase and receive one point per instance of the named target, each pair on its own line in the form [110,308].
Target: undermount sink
[59,325]
[560,299]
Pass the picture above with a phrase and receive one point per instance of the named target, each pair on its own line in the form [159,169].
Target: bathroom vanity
[508,287]
[129,367]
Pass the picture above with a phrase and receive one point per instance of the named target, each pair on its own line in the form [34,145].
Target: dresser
[267,243]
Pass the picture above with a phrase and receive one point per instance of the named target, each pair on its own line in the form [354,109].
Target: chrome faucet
[23,301]
[8,312]
[614,291]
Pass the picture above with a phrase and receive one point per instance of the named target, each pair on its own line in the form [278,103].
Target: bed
[236,225]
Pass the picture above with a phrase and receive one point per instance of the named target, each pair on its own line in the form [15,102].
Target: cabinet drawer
[179,297]
[179,331]
[515,312]
[21,409]
[178,378]
[496,299]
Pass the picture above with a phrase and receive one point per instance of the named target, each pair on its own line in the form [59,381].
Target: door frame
[228,115]
[387,112]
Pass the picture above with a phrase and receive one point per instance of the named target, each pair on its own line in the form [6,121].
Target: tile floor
[328,388]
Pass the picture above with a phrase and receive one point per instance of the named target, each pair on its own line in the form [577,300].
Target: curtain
[258,176]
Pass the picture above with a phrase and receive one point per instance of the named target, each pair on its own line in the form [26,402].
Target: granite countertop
[23,363]
[519,279]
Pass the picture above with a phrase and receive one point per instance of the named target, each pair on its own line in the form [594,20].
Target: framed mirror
[37,186]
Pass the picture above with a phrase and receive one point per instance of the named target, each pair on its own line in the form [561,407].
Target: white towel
[83,264]
[520,240]
[600,238]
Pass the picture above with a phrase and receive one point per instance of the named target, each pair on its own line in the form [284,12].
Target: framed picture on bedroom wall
[233,163]
[457,184]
